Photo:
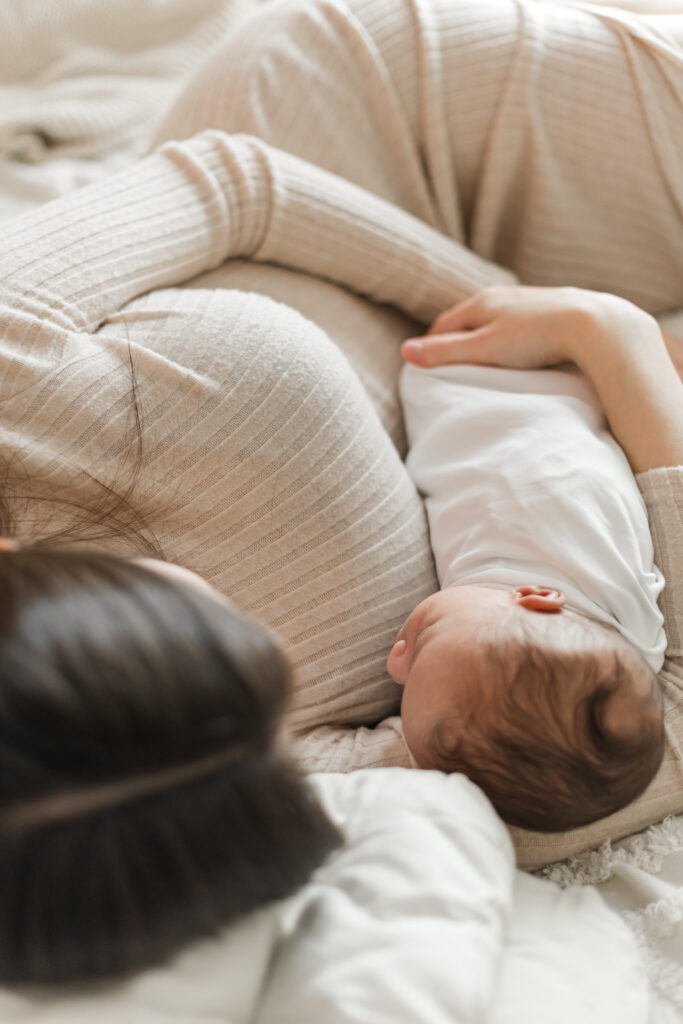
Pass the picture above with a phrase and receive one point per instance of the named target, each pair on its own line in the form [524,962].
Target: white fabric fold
[420,918]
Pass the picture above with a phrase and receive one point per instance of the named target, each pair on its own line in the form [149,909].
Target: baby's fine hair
[548,771]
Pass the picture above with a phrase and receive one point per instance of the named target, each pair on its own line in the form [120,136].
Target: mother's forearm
[326,226]
[194,204]
[640,390]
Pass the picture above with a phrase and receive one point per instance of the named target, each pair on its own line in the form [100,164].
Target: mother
[548,140]
[262,465]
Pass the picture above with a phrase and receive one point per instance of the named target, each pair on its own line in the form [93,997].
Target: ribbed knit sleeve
[662,491]
[332,749]
[192,205]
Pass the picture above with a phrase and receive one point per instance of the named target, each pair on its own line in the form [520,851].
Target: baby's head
[556,717]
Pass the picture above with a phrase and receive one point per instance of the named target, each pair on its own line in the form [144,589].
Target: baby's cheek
[411,719]
[413,762]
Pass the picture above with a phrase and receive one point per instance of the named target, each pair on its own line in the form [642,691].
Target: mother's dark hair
[144,800]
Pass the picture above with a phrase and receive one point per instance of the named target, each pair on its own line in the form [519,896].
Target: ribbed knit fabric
[549,140]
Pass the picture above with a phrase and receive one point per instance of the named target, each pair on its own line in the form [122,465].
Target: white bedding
[423,917]
[420,919]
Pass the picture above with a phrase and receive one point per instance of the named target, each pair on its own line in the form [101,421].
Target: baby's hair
[545,770]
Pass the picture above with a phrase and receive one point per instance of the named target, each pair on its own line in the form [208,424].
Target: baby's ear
[539,599]
[398,663]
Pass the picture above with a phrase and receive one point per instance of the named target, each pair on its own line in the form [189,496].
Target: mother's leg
[550,139]
[583,177]
[306,76]
[562,131]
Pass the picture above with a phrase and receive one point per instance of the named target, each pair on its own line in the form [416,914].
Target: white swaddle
[524,484]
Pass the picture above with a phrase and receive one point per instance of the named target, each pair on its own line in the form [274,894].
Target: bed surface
[82,85]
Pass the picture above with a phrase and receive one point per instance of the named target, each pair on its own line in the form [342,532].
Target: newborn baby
[533,669]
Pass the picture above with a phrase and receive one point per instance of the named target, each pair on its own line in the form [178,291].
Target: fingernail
[412,350]
[400,646]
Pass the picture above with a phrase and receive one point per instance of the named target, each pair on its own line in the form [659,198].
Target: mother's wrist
[614,332]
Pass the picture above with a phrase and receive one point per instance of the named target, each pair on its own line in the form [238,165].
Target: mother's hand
[522,327]
[618,346]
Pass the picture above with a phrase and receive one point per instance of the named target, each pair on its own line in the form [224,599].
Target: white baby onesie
[524,483]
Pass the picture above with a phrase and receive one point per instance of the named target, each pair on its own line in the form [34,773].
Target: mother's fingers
[444,349]
[465,316]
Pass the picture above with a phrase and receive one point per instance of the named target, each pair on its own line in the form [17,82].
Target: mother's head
[144,796]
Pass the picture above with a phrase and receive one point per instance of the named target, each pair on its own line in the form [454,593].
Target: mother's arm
[618,347]
[194,204]
[662,491]
[332,748]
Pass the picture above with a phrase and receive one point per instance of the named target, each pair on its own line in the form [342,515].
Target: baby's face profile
[437,657]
